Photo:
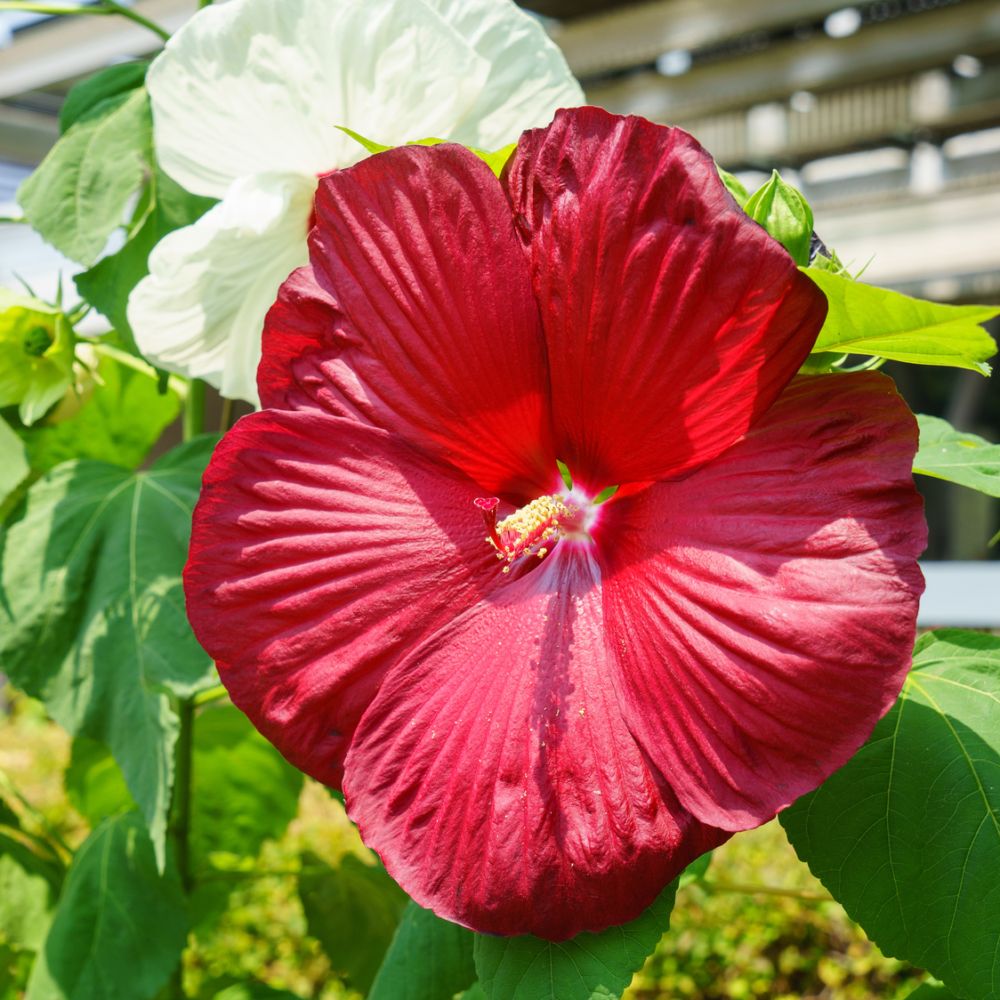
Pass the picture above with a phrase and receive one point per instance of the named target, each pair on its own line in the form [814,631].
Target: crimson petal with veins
[764,607]
[322,550]
[438,326]
[496,776]
[676,321]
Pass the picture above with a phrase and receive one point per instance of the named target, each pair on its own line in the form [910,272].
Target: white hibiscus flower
[247,97]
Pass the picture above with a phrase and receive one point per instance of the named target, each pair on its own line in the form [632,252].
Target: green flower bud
[36,355]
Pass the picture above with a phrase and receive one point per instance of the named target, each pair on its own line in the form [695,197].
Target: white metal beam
[636,34]
[905,45]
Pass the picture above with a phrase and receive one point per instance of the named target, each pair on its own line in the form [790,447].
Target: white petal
[201,310]
[529,79]
[255,86]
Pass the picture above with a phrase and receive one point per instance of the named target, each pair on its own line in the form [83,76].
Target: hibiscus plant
[573,529]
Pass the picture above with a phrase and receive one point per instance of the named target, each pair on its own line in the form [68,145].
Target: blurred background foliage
[757,926]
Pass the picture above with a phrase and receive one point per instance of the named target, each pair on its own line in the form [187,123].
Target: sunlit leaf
[907,834]
[957,456]
[495,159]
[864,319]
[119,927]
[86,95]
[14,466]
[28,889]
[79,193]
[92,615]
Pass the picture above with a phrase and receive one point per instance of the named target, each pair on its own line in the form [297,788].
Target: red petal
[672,320]
[766,605]
[437,333]
[321,550]
[496,778]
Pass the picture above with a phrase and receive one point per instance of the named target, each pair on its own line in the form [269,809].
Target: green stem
[225,421]
[104,8]
[717,885]
[204,3]
[13,220]
[180,820]
[217,693]
[194,410]
[117,8]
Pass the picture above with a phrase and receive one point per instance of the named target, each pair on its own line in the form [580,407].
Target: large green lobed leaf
[865,319]
[907,834]
[120,925]
[92,615]
[429,959]
[957,456]
[78,195]
[587,967]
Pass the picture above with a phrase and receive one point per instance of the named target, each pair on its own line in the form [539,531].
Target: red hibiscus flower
[539,742]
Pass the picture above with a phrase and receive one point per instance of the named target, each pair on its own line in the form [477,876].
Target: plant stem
[180,820]
[216,693]
[204,3]
[227,416]
[117,8]
[717,885]
[105,7]
[194,409]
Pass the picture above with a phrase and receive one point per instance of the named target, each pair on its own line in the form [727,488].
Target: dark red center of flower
[533,529]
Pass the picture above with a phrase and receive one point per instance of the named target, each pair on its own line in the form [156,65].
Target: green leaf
[353,911]
[907,834]
[495,159]
[118,422]
[931,991]
[94,783]
[86,95]
[784,213]
[36,354]
[120,926]
[864,319]
[92,611]
[28,888]
[695,871]
[14,466]
[587,967]
[956,456]
[429,959]
[734,186]
[243,792]
[108,284]
[79,193]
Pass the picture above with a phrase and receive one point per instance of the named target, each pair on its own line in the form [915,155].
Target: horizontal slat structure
[890,126]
